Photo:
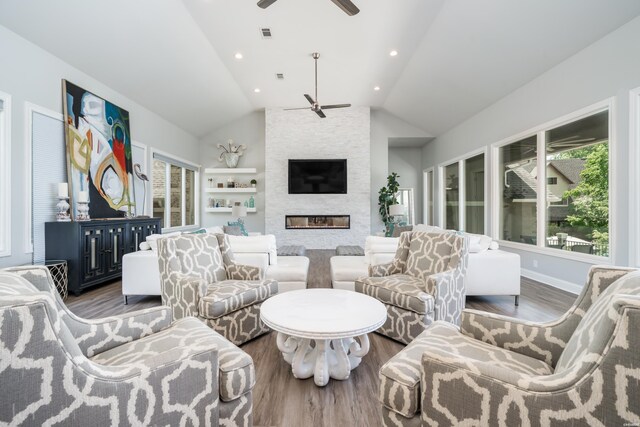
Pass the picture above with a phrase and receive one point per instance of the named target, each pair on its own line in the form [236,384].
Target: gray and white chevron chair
[132,369]
[580,370]
[423,283]
[200,278]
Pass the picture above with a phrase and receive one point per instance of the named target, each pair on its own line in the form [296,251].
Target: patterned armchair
[582,369]
[199,278]
[423,283]
[133,369]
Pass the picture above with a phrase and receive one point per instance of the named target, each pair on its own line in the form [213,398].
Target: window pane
[451,197]
[474,194]
[190,197]
[405,198]
[176,196]
[577,167]
[159,189]
[518,181]
[430,198]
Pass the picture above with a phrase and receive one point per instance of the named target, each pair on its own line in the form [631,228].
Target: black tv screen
[318,176]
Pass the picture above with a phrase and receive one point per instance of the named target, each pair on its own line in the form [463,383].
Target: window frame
[5,175]
[541,215]
[462,203]
[428,187]
[166,227]
[634,174]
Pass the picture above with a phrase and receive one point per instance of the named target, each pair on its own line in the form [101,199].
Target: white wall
[247,130]
[407,162]
[383,127]
[608,68]
[343,134]
[30,74]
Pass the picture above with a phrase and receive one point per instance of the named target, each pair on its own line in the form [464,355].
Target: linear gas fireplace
[325,222]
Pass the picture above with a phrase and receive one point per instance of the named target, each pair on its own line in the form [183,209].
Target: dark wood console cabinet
[94,249]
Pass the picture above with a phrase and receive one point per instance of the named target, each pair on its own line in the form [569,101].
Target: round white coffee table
[323,332]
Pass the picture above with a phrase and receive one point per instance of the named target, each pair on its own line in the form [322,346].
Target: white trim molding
[428,189]
[552,281]
[145,170]
[29,110]
[5,175]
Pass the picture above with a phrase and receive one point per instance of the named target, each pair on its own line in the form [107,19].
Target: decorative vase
[231,159]
[252,203]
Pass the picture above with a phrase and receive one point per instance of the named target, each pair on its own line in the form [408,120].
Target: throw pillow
[233,230]
[240,225]
[397,230]
[200,231]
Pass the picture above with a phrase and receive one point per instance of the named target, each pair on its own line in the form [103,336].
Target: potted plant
[253,183]
[387,196]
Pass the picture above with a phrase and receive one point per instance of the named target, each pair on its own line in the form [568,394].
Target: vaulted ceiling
[177,58]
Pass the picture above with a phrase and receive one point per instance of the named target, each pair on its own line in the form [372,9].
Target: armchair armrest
[95,336]
[383,270]
[182,294]
[542,341]
[243,272]
[447,289]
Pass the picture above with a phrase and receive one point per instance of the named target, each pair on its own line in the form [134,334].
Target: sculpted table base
[322,359]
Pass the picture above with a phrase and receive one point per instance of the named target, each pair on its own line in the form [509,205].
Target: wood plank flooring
[283,401]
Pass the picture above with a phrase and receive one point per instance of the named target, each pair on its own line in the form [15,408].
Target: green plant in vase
[387,196]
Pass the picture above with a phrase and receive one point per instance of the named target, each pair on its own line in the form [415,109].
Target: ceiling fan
[346,5]
[315,107]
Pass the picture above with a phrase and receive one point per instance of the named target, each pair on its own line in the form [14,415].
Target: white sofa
[490,271]
[140,273]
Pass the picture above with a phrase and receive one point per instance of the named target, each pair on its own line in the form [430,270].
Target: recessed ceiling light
[257,90]
[377,88]
[393,53]
[238,55]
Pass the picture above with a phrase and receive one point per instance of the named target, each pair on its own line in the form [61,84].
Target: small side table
[59,273]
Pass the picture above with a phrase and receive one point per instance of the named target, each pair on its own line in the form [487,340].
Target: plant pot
[231,159]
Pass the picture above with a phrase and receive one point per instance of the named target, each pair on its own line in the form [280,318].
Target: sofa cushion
[399,229]
[379,244]
[233,230]
[228,296]
[400,376]
[348,268]
[152,239]
[429,253]
[399,290]
[236,370]
[290,269]
[478,243]
[256,244]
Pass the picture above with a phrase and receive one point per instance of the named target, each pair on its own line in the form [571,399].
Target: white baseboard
[552,281]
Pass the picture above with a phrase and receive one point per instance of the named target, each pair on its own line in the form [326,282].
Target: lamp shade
[238,211]
[396,210]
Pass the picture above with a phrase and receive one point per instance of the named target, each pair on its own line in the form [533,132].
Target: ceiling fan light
[393,53]
[376,88]
[257,90]
[238,55]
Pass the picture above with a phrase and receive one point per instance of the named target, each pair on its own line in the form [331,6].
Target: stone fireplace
[317,222]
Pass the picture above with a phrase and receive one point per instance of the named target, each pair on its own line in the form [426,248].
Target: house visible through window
[174,192]
[576,189]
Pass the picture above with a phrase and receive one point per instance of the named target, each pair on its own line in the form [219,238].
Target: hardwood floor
[282,400]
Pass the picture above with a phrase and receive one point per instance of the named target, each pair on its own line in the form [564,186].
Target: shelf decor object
[63,204]
[232,154]
[83,207]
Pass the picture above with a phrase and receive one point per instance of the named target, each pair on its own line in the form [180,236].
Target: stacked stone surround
[344,134]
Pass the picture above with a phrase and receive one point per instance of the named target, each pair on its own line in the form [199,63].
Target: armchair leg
[517,302]
[127,302]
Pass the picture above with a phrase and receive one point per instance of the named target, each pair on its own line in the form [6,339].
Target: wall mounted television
[318,176]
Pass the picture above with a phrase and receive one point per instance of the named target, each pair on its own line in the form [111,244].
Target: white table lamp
[396,210]
[238,211]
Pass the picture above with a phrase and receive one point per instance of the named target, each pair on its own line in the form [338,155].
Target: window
[464,194]
[5,175]
[578,202]
[405,198]
[518,184]
[566,169]
[174,191]
[428,197]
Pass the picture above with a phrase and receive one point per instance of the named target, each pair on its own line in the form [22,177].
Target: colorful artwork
[98,153]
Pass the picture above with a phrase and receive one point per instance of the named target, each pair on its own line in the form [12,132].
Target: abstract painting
[98,153]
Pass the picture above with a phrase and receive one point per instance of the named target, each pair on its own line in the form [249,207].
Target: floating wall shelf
[227,210]
[229,171]
[230,190]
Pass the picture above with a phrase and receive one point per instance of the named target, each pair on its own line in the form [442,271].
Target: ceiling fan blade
[328,107]
[320,113]
[310,99]
[347,6]
[265,3]
[291,109]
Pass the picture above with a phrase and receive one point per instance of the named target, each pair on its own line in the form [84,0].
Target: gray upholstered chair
[132,369]
[423,283]
[582,369]
[199,278]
